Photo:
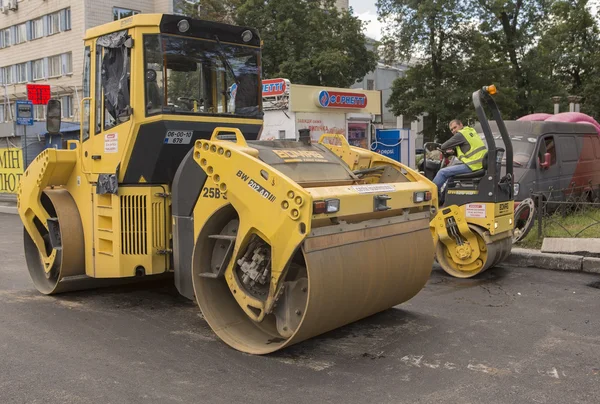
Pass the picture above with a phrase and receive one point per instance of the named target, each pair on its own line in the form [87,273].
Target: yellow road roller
[475,222]
[277,241]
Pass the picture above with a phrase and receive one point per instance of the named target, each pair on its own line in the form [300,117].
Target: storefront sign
[273,87]
[337,99]
[11,170]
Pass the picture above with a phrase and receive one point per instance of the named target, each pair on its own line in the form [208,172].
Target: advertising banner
[11,170]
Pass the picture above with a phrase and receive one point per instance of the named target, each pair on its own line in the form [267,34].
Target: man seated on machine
[469,149]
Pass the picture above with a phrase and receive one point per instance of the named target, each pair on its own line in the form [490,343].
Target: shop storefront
[292,107]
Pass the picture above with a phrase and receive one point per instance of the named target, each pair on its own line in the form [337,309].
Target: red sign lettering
[38,94]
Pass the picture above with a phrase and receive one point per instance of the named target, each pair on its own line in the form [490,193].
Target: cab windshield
[523,148]
[194,76]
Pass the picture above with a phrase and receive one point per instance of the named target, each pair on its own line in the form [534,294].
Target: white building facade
[41,42]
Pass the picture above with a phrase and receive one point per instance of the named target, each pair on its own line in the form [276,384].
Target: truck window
[548,146]
[568,148]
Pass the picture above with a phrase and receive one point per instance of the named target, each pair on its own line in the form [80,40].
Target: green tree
[571,47]
[211,10]
[511,27]
[430,34]
[309,41]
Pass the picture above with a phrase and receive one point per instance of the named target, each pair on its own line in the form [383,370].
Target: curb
[523,257]
[10,210]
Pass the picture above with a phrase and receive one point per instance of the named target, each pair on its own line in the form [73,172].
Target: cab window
[87,60]
[114,55]
[195,76]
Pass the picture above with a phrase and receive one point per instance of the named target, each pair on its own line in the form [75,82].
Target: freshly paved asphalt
[513,335]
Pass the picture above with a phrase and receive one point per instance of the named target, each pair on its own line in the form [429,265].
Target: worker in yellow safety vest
[470,150]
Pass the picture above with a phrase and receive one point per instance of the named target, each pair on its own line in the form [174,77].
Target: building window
[2,75]
[4,38]
[67,106]
[37,28]
[22,73]
[39,112]
[54,66]
[119,13]
[370,84]
[67,63]
[38,69]
[65,22]
[8,75]
[53,23]
[5,111]
[20,33]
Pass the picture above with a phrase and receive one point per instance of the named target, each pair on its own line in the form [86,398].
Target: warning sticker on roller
[373,188]
[476,210]
[111,143]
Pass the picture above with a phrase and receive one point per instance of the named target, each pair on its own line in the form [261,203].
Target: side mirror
[53,117]
[547,160]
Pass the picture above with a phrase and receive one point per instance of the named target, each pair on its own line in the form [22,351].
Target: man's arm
[454,141]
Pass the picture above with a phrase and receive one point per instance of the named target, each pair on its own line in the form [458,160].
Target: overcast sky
[366,10]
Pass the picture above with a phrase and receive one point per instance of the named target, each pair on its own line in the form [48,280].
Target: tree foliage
[433,31]
[211,10]
[305,41]
[511,26]
[309,41]
[531,49]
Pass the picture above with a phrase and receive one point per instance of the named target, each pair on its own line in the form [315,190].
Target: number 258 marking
[213,193]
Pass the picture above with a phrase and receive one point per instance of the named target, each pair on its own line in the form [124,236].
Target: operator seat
[473,174]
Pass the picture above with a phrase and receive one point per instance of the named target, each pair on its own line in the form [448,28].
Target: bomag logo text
[287,154]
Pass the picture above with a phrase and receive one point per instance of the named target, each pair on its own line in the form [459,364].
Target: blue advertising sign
[388,143]
[24,112]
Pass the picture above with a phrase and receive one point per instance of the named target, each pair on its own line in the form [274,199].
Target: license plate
[179,136]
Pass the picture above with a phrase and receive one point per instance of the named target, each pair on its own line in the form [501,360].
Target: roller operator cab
[276,241]
[475,221]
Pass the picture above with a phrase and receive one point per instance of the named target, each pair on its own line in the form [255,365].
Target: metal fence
[554,205]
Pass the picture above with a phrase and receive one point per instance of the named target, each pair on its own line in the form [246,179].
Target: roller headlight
[183,25]
[326,206]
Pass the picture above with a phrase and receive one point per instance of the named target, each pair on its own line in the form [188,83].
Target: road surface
[513,335]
